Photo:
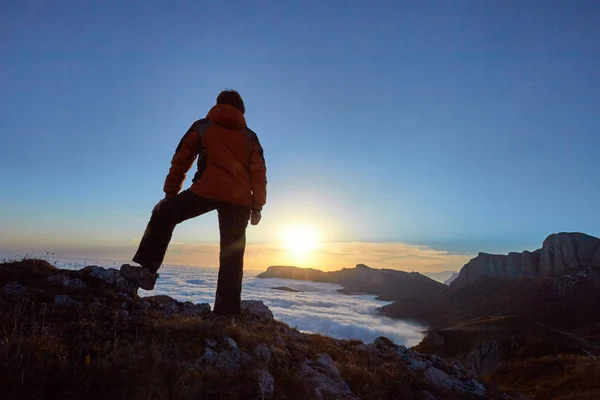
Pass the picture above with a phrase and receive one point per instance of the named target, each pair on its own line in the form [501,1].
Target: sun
[300,238]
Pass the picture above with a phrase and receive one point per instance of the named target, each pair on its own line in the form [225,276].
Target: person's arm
[182,161]
[258,174]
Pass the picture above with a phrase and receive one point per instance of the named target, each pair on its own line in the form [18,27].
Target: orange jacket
[231,165]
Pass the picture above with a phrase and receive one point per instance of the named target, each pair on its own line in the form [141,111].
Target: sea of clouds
[316,307]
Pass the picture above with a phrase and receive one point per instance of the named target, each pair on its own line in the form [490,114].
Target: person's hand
[255,217]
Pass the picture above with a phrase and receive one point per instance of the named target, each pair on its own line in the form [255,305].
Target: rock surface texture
[561,254]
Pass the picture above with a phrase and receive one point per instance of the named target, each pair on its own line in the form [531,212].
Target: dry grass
[552,378]
[49,352]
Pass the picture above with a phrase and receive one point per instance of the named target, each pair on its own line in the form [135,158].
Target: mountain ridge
[560,254]
[386,284]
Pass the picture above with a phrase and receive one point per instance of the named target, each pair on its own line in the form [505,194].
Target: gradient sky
[462,126]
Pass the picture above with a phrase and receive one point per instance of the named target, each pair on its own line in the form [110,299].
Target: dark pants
[233,221]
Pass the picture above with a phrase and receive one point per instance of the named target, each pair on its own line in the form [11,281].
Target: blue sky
[459,125]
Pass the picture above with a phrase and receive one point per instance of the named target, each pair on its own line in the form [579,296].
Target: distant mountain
[451,279]
[561,254]
[558,285]
[387,284]
[441,277]
[527,321]
[563,303]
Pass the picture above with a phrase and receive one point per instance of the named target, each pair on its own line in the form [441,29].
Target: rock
[144,305]
[77,284]
[439,362]
[123,314]
[262,354]
[368,348]
[245,359]
[62,300]
[326,364]
[58,279]
[567,251]
[13,289]
[64,280]
[415,362]
[459,370]
[434,337]
[164,303]
[325,380]
[111,277]
[229,359]
[560,254]
[190,309]
[210,343]
[230,344]
[439,378]
[279,341]
[427,395]
[208,359]
[108,276]
[401,349]
[384,344]
[266,382]
[486,357]
[477,387]
[257,310]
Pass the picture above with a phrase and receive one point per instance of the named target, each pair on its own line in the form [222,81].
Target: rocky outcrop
[488,356]
[89,324]
[445,377]
[560,254]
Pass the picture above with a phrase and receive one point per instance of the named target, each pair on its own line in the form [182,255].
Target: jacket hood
[227,116]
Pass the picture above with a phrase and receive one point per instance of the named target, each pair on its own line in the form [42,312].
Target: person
[231,179]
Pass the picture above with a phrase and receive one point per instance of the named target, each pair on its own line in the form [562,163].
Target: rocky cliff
[561,254]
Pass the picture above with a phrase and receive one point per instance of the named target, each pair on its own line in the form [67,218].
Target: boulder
[439,378]
[229,356]
[62,300]
[13,289]
[325,380]
[111,277]
[208,359]
[262,354]
[201,310]
[257,310]
[266,382]
[486,357]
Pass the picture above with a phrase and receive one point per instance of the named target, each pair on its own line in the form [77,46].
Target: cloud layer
[316,307]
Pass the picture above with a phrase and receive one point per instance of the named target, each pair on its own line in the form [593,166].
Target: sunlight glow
[300,238]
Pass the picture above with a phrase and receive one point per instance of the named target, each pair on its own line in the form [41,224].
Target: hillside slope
[87,334]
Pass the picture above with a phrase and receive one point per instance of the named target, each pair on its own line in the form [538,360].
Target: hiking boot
[140,276]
